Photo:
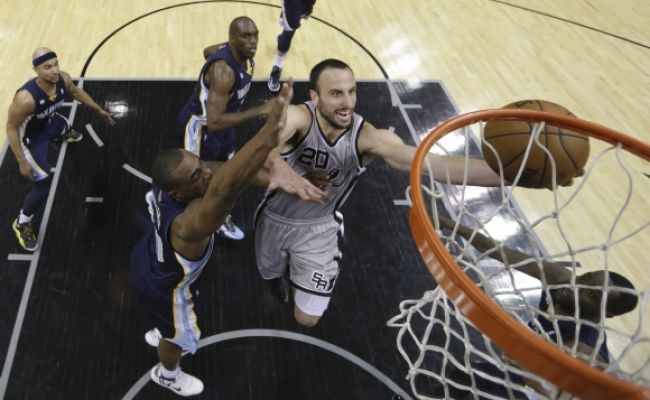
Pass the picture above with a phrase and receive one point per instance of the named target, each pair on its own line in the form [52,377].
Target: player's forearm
[13,138]
[85,99]
[229,120]
[553,273]
[240,170]
[452,169]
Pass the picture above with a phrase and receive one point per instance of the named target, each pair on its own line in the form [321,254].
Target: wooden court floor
[590,56]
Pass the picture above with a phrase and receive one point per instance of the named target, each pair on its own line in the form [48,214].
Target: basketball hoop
[470,310]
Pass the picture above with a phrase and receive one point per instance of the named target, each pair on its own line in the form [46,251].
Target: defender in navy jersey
[292,12]
[561,299]
[33,121]
[324,137]
[188,202]
[206,124]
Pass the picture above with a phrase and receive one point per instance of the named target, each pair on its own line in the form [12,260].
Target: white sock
[279,60]
[167,374]
[24,219]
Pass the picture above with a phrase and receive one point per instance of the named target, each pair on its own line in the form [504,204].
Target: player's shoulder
[23,100]
[220,70]
[299,116]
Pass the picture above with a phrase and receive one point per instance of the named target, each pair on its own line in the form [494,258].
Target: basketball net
[477,335]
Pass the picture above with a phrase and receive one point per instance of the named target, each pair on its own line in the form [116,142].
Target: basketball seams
[510,139]
[568,135]
[567,153]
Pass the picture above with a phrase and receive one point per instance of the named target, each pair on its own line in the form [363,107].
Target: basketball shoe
[25,235]
[153,337]
[274,78]
[229,230]
[70,136]
[183,384]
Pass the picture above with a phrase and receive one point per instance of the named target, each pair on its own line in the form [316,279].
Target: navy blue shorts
[207,145]
[156,296]
[37,144]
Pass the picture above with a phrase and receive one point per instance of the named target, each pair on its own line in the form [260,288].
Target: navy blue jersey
[164,264]
[587,334]
[45,106]
[243,76]
[163,279]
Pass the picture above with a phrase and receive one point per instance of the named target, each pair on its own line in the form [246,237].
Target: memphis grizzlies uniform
[587,334]
[303,234]
[192,120]
[42,125]
[163,279]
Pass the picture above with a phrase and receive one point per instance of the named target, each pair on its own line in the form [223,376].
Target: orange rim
[529,350]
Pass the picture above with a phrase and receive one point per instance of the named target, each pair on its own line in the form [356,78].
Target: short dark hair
[164,166]
[320,67]
[619,302]
[234,28]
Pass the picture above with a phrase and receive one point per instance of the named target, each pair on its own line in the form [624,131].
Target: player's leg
[292,12]
[314,260]
[272,259]
[173,316]
[60,130]
[35,150]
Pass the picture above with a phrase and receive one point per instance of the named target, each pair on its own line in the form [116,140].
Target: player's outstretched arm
[199,221]
[384,144]
[84,98]
[221,78]
[554,273]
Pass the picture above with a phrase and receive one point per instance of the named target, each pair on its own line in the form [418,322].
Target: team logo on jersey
[241,93]
[321,282]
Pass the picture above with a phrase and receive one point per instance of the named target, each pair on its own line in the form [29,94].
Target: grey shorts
[309,248]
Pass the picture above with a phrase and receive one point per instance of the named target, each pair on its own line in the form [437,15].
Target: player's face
[336,97]
[245,39]
[49,70]
[193,177]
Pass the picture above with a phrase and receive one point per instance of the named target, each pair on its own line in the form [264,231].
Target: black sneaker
[70,136]
[274,79]
[280,289]
[25,235]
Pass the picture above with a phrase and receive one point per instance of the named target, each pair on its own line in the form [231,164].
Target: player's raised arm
[201,220]
[384,144]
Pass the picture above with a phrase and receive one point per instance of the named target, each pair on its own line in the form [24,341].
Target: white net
[541,269]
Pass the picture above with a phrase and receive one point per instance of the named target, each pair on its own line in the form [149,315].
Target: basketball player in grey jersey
[325,136]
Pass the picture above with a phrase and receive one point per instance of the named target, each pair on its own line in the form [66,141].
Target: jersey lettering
[313,158]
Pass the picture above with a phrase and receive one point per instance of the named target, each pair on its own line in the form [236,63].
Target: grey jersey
[340,160]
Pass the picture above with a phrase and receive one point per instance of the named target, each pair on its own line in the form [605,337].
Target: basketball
[509,140]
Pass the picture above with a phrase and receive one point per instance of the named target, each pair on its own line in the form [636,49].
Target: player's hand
[26,171]
[283,177]
[106,116]
[278,116]
[267,107]
[319,179]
